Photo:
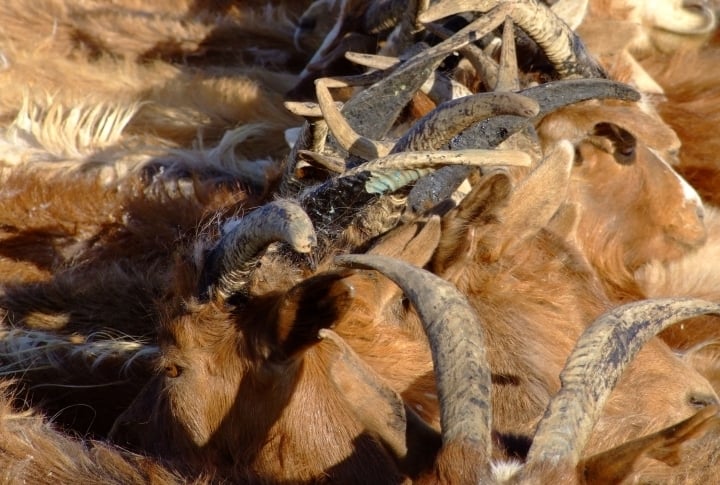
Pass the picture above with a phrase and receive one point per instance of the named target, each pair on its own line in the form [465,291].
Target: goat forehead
[689,193]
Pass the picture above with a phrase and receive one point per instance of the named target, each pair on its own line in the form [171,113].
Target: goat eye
[172,370]
[625,155]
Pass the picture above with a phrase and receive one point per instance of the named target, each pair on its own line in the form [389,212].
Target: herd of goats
[347,241]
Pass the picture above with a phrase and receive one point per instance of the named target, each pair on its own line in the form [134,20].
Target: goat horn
[562,46]
[600,356]
[483,64]
[457,343]
[328,204]
[550,97]
[229,263]
[344,133]
[372,112]
[692,18]
[507,78]
[387,182]
[438,87]
[439,126]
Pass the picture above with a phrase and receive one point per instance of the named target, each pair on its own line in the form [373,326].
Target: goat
[273,411]
[464,388]
[633,207]
[658,214]
[32,450]
[494,246]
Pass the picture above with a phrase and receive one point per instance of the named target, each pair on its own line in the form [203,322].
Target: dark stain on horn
[229,264]
[373,111]
[457,343]
[550,97]
[339,201]
[561,45]
[438,127]
[600,356]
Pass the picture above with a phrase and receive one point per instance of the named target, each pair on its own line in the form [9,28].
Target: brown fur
[694,275]
[94,260]
[532,324]
[32,450]
[632,209]
[271,411]
[690,80]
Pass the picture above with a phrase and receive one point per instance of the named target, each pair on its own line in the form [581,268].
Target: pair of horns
[601,355]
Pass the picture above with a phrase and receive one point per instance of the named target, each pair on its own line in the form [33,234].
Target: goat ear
[537,198]
[615,465]
[316,303]
[381,410]
[413,243]
[565,221]
[641,126]
[624,143]
[458,226]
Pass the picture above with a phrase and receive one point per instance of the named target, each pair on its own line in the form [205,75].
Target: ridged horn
[550,97]
[438,127]
[600,357]
[229,264]
[457,342]
[333,204]
[561,45]
[373,111]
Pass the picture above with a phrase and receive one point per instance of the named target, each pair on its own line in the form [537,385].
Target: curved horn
[335,203]
[561,45]
[229,263]
[550,97]
[447,120]
[600,356]
[374,110]
[688,17]
[457,342]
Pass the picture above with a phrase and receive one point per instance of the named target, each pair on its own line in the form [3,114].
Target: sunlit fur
[269,409]
[631,211]
[694,275]
[534,301]
[666,26]
[690,80]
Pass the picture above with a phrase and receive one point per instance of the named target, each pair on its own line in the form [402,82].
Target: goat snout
[701,400]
